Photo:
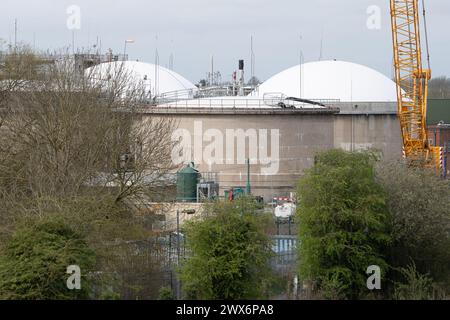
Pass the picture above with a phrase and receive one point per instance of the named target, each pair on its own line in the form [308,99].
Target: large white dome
[158,80]
[339,80]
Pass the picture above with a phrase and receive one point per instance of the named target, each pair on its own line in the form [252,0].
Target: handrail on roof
[247,102]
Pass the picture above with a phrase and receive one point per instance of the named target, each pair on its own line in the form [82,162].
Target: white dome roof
[339,80]
[168,81]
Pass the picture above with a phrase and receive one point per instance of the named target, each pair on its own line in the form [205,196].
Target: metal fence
[151,264]
[173,250]
[285,249]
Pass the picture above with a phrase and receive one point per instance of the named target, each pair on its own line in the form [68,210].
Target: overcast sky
[193,30]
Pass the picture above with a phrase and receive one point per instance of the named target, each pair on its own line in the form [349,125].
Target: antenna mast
[15,33]
[252,58]
[321,47]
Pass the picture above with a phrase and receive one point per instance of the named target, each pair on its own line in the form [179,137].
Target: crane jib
[412,81]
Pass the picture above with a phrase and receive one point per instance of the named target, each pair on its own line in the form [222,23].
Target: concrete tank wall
[281,145]
[359,132]
[299,139]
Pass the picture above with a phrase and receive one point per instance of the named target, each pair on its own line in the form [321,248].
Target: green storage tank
[187,179]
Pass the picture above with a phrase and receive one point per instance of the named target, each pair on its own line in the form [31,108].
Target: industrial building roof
[158,80]
[339,80]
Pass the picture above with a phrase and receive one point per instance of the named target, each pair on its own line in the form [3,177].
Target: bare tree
[439,88]
[64,134]
[17,67]
[77,146]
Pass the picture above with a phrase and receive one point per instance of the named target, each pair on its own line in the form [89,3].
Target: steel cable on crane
[426,34]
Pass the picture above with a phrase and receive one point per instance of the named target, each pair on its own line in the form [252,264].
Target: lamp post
[188,212]
[248,187]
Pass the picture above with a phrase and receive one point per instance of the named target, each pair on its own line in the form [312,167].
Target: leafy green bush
[419,205]
[166,293]
[229,254]
[343,223]
[33,263]
[416,286]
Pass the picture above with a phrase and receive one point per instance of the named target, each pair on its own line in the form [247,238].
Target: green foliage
[112,230]
[416,286]
[34,262]
[352,216]
[418,202]
[343,223]
[229,254]
[109,294]
[166,293]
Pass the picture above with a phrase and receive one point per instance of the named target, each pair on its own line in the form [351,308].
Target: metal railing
[240,103]
[285,248]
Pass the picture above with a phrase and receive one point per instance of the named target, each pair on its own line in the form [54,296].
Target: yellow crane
[412,84]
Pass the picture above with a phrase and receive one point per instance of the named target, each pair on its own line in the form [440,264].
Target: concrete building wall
[300,137]
[360,132]
[281,145]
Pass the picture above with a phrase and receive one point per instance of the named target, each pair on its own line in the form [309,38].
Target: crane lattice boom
[412,82]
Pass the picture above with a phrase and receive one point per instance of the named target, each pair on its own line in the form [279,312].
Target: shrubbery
[355,212]
[33,264]
[343,223]
[229,254]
